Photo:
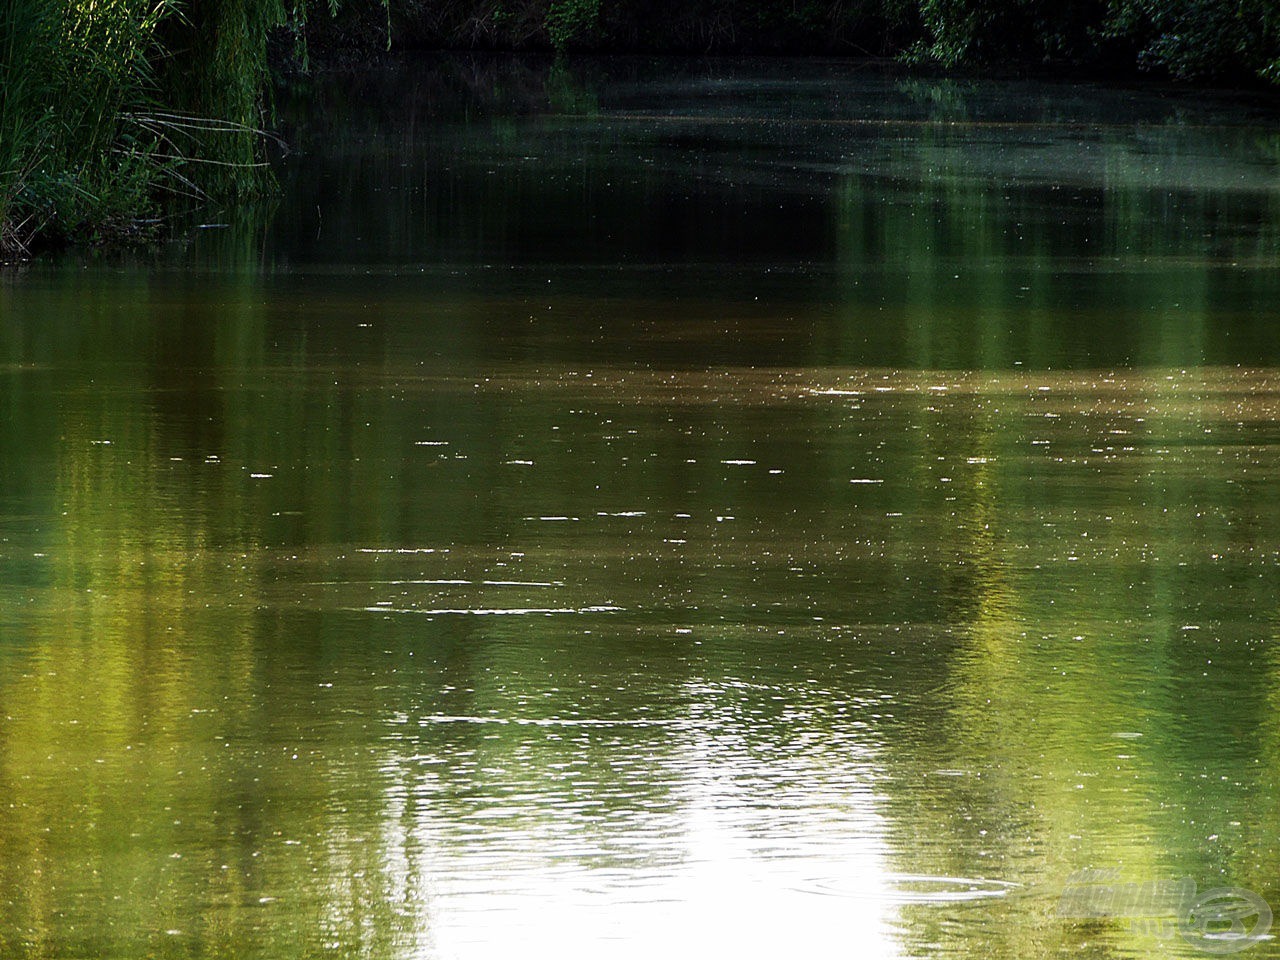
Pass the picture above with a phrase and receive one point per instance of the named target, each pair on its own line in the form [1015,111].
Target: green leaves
[1205,40]
[571,22]
[1202,39]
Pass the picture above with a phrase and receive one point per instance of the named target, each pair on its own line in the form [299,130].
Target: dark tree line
[107,108]
[1227,41]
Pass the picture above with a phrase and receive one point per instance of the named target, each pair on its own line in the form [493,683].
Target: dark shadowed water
[674,510]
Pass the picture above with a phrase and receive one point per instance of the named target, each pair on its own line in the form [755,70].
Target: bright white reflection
[714,835]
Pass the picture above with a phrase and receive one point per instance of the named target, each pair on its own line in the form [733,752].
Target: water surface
[708,508]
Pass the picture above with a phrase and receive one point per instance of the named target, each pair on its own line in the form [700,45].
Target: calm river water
[659,510]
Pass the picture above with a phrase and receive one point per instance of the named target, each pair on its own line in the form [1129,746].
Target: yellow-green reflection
[419,614]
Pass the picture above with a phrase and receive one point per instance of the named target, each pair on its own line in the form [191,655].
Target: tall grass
[72,74]
[26,127]
[107,106]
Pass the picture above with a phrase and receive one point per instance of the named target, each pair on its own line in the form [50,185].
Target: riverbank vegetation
[113,111]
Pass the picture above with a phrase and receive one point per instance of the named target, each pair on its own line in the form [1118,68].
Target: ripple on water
[487,611]
[910,888]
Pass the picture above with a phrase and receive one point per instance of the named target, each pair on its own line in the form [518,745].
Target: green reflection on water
[396,614]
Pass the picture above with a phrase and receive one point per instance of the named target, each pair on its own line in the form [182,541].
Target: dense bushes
[1218,40]
[1229,40]
[105,107]
[1003,31]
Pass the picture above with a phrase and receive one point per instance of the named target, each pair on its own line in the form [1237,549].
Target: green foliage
[1007,31]
[216,67]
[572,23]
[73,78]
[1202,39]
[106,106]
[25,117]
[1186,39]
